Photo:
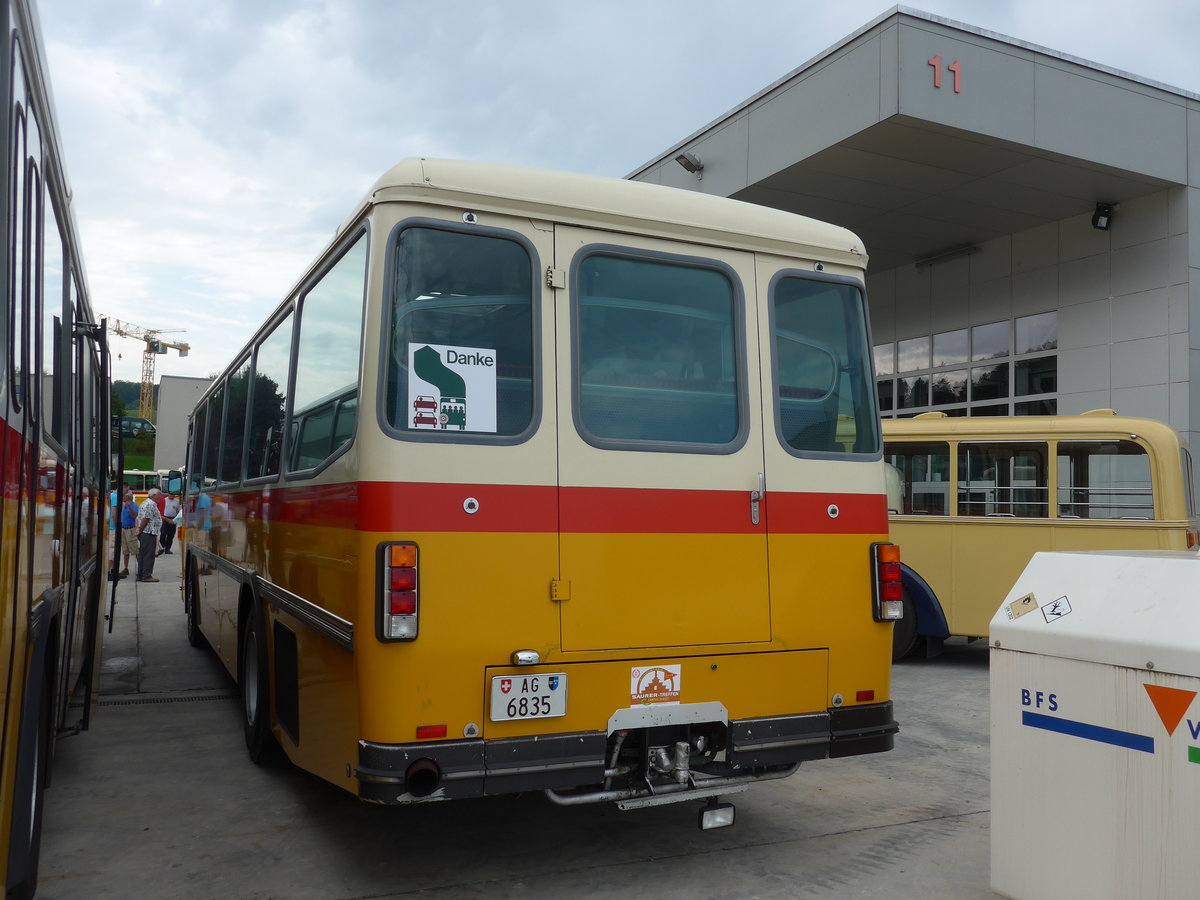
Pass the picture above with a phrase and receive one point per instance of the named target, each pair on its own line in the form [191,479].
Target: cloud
[215,146]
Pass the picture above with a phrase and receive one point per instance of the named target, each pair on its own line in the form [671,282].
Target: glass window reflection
[949,387]
[912,392]
[950,348]
[913,354]
[1037,333]
[989,382]
[989,341]
[885,359]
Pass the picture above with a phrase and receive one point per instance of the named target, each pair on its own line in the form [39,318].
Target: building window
[1015,371]
[950,348]
[913,355]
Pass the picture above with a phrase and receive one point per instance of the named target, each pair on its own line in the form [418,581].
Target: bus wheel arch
[924,623]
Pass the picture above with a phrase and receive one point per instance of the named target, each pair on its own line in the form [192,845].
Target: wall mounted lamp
[1102,217]
[690,162]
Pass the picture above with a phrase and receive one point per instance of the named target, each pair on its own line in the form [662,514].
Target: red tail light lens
[402,603]
[399,599]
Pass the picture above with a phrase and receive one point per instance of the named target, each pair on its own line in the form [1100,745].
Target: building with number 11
[1032,219]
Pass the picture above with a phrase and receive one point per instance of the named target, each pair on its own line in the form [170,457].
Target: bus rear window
[460,345]
[656,348]
[825,393]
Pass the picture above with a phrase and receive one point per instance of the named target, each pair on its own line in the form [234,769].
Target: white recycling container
[1095,723]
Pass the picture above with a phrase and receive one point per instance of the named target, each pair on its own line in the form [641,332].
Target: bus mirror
[174,482]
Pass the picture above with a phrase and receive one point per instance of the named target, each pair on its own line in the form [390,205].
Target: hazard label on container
[1056,610]
[1018,608]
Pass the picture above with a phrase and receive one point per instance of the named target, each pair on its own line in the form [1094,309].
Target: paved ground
[158,800]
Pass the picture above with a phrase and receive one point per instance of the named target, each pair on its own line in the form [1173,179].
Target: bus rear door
[662,538]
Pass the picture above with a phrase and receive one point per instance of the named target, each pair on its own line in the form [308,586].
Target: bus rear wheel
[191,599]
[256,700]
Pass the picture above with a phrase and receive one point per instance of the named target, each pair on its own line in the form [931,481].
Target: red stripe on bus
[419,506]
[534,509]
[827,513]
[591,510]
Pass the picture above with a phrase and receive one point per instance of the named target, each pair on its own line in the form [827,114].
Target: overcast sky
[214,145]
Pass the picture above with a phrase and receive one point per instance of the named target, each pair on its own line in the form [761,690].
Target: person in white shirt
[171,508]
[147,528]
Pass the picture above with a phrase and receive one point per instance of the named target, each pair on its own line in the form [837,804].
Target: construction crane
[155,346]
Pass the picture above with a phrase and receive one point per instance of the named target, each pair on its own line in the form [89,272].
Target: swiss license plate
[540,696]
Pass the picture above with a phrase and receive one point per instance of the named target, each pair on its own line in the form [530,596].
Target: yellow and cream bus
[535,481]
[54,456]
[974,498]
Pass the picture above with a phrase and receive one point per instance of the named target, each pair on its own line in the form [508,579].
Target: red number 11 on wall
[955,67]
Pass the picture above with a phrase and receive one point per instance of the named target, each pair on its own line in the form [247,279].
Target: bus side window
[1003,480]
[328,353]
[1104,480]
[272,359]
[924,475]
[195,471]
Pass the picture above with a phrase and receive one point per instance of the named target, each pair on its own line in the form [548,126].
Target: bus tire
[264,750]
[191,599]
[26,838]
[905,639]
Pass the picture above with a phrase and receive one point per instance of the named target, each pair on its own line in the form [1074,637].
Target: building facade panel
[1141,315]
[1076,111]
[834,101]
[988,91]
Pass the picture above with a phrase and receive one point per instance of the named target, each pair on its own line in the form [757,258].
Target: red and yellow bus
[555,482]
[53,456]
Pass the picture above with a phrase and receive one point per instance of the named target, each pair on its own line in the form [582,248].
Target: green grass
[139,452]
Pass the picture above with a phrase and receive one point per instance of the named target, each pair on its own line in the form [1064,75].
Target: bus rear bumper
[447,770]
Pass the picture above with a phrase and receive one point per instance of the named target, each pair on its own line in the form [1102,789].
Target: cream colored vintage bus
[536,482]
[975,498]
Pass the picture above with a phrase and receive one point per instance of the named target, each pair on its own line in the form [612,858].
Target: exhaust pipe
[422,778]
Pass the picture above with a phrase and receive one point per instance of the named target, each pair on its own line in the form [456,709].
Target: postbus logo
[656,684]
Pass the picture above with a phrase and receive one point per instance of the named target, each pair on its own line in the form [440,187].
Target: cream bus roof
[612,202]
[1011,428]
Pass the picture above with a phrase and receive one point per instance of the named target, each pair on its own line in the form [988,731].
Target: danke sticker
[452,388]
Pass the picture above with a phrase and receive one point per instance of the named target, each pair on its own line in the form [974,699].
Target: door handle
[757,497]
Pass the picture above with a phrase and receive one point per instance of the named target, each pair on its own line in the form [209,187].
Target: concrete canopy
[927,137]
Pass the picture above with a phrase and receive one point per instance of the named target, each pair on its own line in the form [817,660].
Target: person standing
[169,512]
[129,541]
[149,524]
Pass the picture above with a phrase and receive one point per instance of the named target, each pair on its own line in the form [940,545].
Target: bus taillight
[888,591]
[398,598]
